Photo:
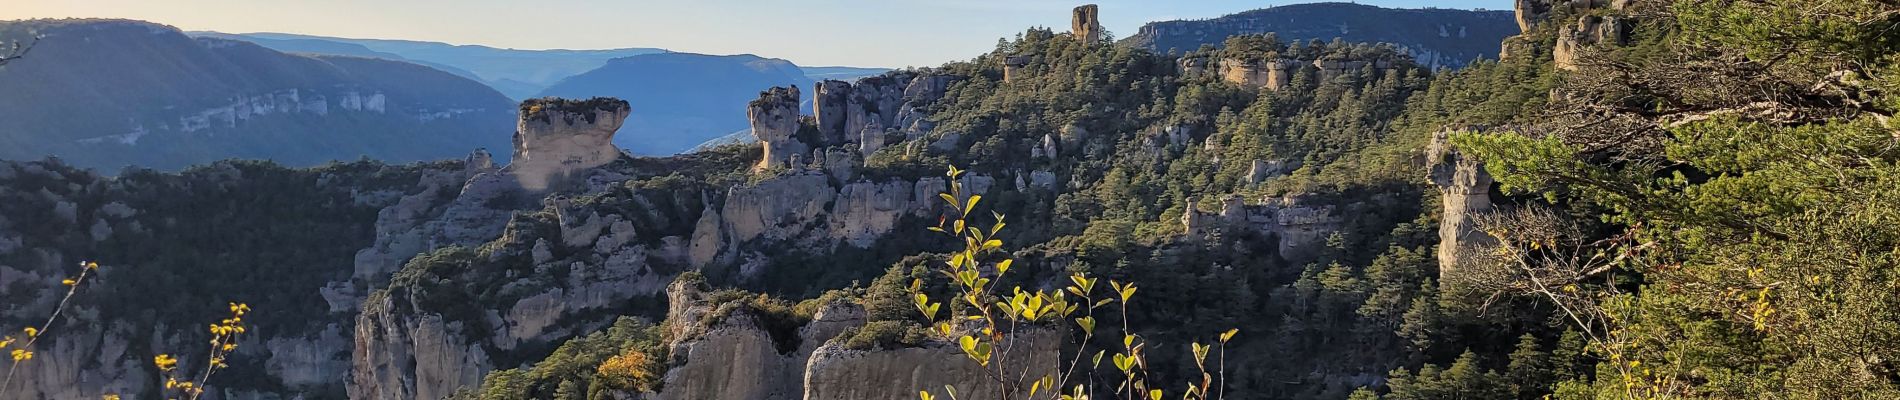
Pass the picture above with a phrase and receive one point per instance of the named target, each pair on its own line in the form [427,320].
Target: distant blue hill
[519,74]
[110,93]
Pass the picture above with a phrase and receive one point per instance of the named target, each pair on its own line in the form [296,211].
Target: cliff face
[1086,24]
[51,216]
[731,356]
[1299,225]
[775,123]
[1466,191]
[610,247]
[862,114]
[555,138]
[1579,26]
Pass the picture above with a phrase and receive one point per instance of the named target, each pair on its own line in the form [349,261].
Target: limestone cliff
[1272,68]
[1087,23]
[721,351]
[557,137]
[1298,224]
[774,117]
[1466,191]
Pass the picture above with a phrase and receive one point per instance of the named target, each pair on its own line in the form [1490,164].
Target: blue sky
[887,33]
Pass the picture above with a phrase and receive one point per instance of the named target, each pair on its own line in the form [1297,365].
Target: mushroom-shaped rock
[557,137]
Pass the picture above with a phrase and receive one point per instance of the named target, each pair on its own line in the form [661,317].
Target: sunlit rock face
[774,117]
[1466,188]
[555,138]
[1087,23]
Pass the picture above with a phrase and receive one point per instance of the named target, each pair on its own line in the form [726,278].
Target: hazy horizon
[816,33]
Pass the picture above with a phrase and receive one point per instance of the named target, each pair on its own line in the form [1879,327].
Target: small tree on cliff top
[987,330]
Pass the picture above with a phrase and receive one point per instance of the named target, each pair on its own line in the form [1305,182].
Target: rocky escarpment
[774,118]
[405,346]
[601,240]
[723,351]
[1270,65]
[876,111]
[1086,23]
[1579,25]
[52,216]
[1466,189]
[1298,224]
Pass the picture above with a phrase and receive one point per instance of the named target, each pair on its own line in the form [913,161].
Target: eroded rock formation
[1466,188]
[774,118]
[1269,74]
[723,352]
[1298,225]
[556,137]
[1087,24]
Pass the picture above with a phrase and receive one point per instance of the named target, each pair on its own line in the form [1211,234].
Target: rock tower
[556,137]
[774,117]
[1086,25]
[1467,194]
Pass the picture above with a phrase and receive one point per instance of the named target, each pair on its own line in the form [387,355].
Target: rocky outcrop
[555,138]
[402,356]
[1261,170]
[837,372]
[828,105]
[1086,23]
[1268,74]
[412,225]
[864,112]
[1013,66]
[774,117]
[84,365]
[1530,13]
[1466,191]
[1293,221]
[1589,30]
[722,352]
[722,357]
[803,208]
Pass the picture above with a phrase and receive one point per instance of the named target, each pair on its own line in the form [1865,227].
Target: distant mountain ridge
[1435,37]
[516,73]
[680,100]
[110,93]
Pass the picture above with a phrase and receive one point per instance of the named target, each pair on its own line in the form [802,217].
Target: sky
[875,33]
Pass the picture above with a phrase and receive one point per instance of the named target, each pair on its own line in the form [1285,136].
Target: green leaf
[971,204]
